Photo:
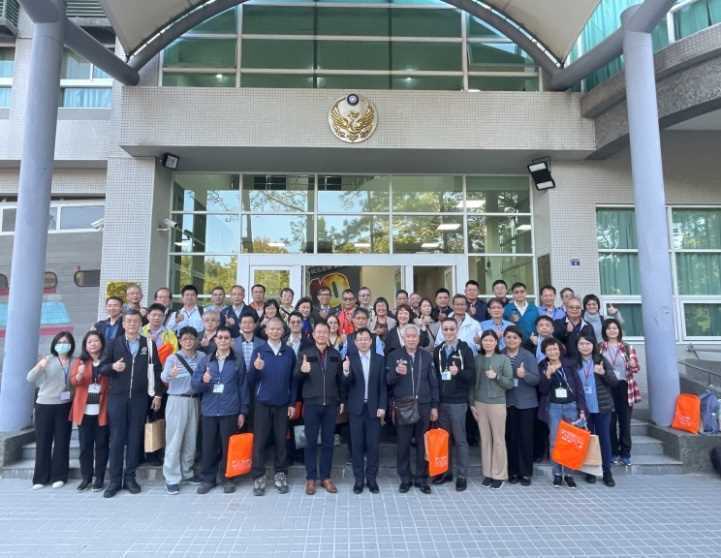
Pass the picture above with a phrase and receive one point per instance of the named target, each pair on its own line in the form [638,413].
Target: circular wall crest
[353,118]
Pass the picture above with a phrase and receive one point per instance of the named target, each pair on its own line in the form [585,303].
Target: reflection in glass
[347,234]
[353,194]
[497,57]
[206,192]
[632,319]
[427,234]
[619,274]
[189,52]
[205,272]
[198,80]
[201,232]
[273,280]
[9,214]
[277,234]
[486,269]
[498,194]
[80,216]
[427,193]
[697,229]
[699,274]
[616,229]
[702,320]
[277,194]
[499,235]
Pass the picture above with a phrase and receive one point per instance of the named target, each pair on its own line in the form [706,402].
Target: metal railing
[713,376]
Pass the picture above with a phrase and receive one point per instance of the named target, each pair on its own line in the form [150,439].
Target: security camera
[98,224]
[167,224]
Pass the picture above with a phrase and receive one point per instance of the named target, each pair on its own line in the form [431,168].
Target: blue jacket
[233,400]
[526,322]
[275,384]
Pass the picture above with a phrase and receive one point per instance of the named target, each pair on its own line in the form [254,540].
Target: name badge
[561,393]
[65,395]
[218,388]
[515,382]
[446,375]
[94,388]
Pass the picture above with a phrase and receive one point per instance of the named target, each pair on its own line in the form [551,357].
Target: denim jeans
[556,413]
[600,425]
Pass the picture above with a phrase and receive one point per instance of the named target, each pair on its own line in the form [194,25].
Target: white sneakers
[38,486]
[58,484]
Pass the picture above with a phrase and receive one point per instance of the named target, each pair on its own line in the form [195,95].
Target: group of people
[503,372]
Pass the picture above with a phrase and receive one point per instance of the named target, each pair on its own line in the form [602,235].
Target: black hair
[132,312]
[346,291]
[380,300]
[274,303]
[401,291]
[296,314]
[84,355]
[155,294]
[474,283]
[499,282]
[591,298]
[548,288]
[442,290]
[287,290]
[424,299]
[303,300]
[459,296]
[66,334]
[595,354]
[324,289]
[156,306]
[515,330]
[224,328]
[566,289]
[251,315]
[361,311]
[320,323]
[189,288]
[187,330]
[258,285]
[364,330]
[489,333]
[607,322]
[518,284]
[496,301]
[548,341]
[543,318]
[115,298]
[408,309]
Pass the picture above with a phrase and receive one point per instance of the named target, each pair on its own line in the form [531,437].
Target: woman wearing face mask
[598,380]
[51,375]
[90,411]
[592,315]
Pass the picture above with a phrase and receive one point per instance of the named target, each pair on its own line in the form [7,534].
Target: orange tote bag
[571,446]
[240,455]
[687,416]
[436,451]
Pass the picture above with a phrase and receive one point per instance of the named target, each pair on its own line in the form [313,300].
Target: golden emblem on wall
[353,118]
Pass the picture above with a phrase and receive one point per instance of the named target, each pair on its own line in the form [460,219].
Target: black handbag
[405,409]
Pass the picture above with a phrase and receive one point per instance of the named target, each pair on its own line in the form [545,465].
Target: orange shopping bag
[164,351]
[687,416]
[436,451]
[240,455]
[571,445]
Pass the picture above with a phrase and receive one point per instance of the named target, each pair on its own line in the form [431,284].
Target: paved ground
[644,515]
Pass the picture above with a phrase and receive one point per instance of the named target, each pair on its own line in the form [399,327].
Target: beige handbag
[154,435]
[593,464]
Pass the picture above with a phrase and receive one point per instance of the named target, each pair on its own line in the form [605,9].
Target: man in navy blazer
[367,398]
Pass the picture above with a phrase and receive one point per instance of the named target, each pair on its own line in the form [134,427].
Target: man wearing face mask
[127,363]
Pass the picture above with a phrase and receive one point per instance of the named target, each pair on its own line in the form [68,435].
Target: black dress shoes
[373,487]
[357,487]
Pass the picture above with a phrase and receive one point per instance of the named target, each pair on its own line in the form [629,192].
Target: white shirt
[365,359]
[275,346]
[468,330]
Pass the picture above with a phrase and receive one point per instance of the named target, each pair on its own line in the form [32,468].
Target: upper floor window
[84,85]
[64,216]
[7,69]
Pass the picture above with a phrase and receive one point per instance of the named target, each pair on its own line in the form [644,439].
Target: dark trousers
[519,441]
[93,448]
[621,421]
[52,443]
[319,418]
[405,434]
[540,440]
[365,431]
[600,425]
[126,418]
[270,421]
[216,433]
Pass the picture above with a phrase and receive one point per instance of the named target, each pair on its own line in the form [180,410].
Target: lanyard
[587,370]
[615,354]
[66,369]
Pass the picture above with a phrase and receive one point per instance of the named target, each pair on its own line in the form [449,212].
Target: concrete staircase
[648,457]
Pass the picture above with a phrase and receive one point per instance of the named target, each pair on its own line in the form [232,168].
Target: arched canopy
[551,25]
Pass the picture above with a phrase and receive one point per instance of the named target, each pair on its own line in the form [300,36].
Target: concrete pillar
[31,224]
[651,224]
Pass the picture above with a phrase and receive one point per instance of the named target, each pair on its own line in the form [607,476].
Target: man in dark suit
[367,398]
[410,374]
[112,326]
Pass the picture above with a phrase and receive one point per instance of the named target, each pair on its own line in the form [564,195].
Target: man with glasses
[521,312]
[477,308]
[295,339]
[345,315]
[323,309]
[455,368]
[567,330]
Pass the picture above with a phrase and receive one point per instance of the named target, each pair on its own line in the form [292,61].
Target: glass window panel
[427,193]
[348,55]
[209,233]
[702,320]
[691,18]
[198,80]
[426,23]
[619,274]
[486,269]
[699,274]
[80,216]
[206,192]
[75,66]
[347,234]
[98,73]
[353,21]
[274,280]
[479,28]
[278,234]
[714,9]
[278,20]
[353,82]
[615,229]
[353,194]
[87,278]
[697,229]
[496,57]
[427,234]
[498,194]
[277,194]
[205,272]
[4,283]
[426,56]
[189,52]
[278,81]
[222,23]
[5,93]
[7,62]
[87,97]
[272,53]
[496,83]
[501,235]
[632,319]
[9,219]
[428,83]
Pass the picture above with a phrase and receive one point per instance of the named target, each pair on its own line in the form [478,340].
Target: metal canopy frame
[644,19]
